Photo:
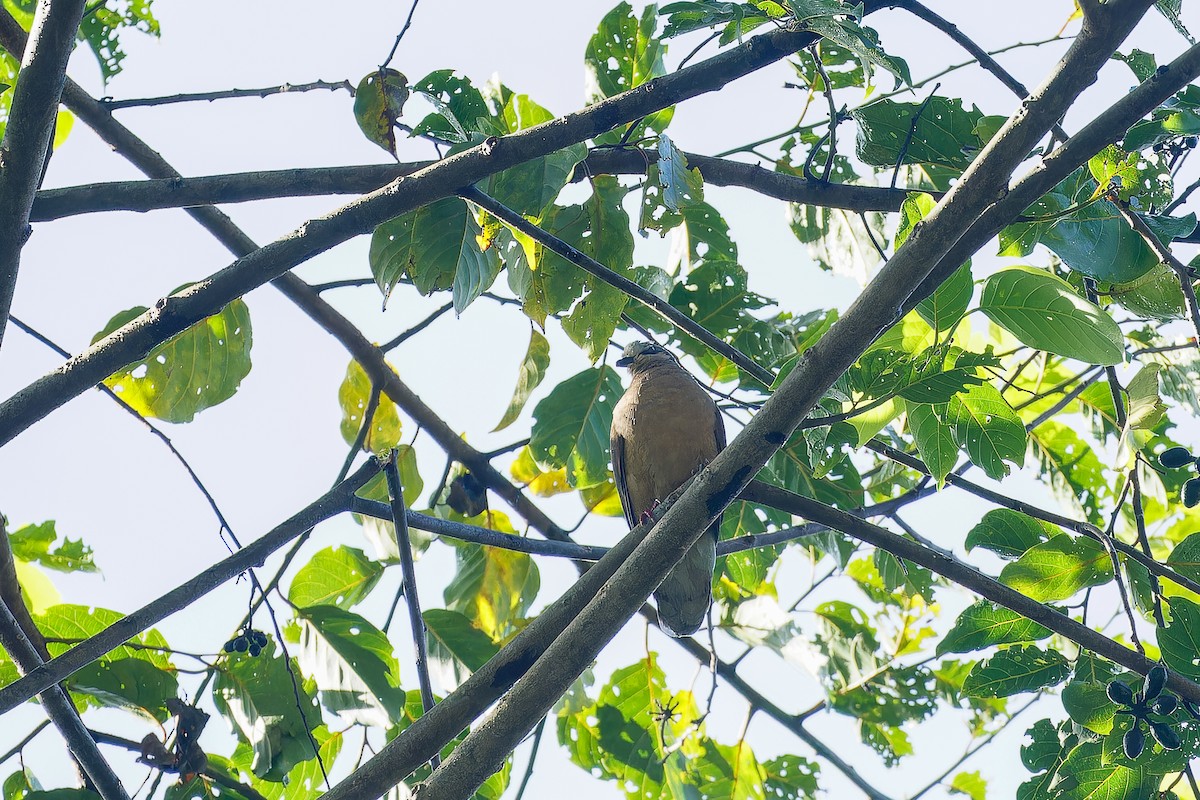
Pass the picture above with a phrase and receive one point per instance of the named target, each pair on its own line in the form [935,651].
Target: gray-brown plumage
[665,429]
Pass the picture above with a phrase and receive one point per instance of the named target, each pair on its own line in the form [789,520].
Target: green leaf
[437,247]
[378,103]
[452,637]
[1044,312]
[354,395]
[351,662]
[340,576]
[935,441]
[571,426]
[381,533]
[670,187]
[1185,557]
[1140,63]
[1008,533]
[33,543]
[1094,778]
[1088,234]
[1057,569]
[530,187]
[944,133]
[791,778]
[971,784]
[198,369]
[493,588]
[1180,640]
[1087,703]
[1076,473]
[730,771]
[256,695]
[594,319]
[1023,668]
[946,306]
[461,109]
[132,684]
[530,375]
[74,623]
[984,625]
[622,55]
[988,428]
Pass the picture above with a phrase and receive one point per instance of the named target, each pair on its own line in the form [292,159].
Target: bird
[665,429]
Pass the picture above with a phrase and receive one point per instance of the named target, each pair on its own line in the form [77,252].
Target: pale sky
[275,446]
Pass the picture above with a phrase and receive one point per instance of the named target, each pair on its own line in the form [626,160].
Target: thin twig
[1181,270]
[533,751]
[395,45]
[414,330]
[673,315]
[415,621]
[227,94]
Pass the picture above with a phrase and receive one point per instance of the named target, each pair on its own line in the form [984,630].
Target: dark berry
[1156,679]
[242,644]
[1191,492]
[1165,735]
[1120,693]
[1134,741]
[1165,704]
[255,650]
[1174,457]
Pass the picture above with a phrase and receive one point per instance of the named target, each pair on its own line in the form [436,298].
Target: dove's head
[641,356]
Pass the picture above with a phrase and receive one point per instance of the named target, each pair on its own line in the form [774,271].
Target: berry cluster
[247,640]
[1150,700]
[1176,457]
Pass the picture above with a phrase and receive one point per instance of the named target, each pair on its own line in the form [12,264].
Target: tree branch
[921,11]
[416,623]
[180,192]
[60,710]
[174,314]
[484,749]
[29,132]
[335,501]
[647,298]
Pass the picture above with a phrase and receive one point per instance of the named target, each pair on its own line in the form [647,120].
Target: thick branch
[60,710]
[29,131]
[484,749]
[370,357]
[335,501]
[1105,129]
[174,314]
[647,298]
[179,192]
[967,576]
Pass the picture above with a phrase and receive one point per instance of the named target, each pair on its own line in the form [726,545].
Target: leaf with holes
[378,103]
[1023,668]
[340,576]
[571,426]
[351,662]
[1044,312]
[988,428]
[437,248]
[258,696]
[198,369]
[354,396]
[985,625]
